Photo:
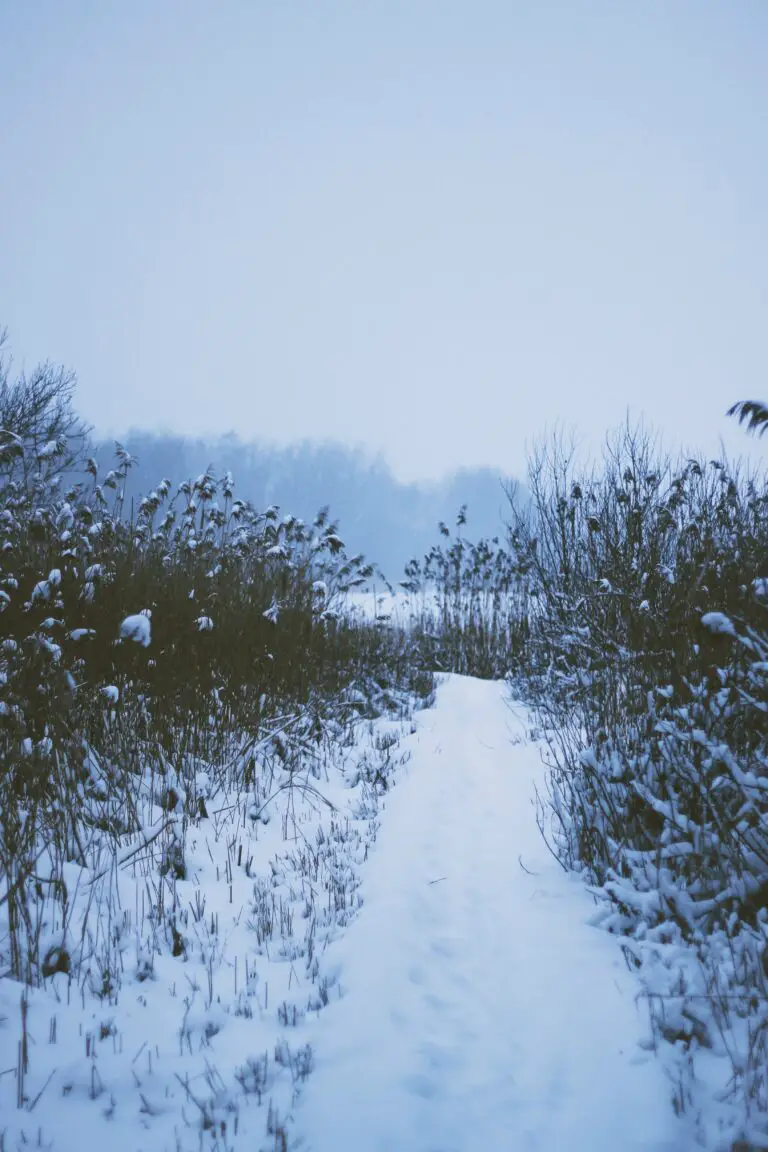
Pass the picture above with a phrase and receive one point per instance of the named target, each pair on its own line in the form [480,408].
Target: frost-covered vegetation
[188,703]
[177,679]
[629,608]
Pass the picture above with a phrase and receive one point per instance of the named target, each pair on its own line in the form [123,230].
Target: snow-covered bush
[469,605]
[141,647]
[646,661]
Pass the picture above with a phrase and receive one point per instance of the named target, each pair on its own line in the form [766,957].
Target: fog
[389,520]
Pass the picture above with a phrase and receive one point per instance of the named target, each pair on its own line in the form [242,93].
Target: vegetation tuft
[145,650]
[158,659]
[629,608]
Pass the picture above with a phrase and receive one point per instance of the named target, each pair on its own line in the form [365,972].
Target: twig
[129,853]
[34,1102]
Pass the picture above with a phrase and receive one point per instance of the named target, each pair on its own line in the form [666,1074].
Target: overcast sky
[428,226]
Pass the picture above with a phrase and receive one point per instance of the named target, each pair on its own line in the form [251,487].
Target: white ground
[470,1006]
[481,1011]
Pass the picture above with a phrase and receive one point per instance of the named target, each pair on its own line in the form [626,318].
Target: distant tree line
[388,520]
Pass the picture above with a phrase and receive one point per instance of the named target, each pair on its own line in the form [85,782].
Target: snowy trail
[481,1013]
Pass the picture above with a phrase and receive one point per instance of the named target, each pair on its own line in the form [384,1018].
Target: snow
[760,587]
[272,613]
[396,604]
[137,628]
[409,971]
[481,1011]
[41,591]
[718,623]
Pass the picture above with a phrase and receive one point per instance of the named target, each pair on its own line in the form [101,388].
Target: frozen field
[407,970]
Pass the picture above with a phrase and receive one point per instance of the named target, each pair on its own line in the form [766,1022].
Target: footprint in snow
[439,1058]
[420,1085]
[437,1003]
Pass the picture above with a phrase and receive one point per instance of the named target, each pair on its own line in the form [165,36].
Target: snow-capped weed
[651,698]
[137,735]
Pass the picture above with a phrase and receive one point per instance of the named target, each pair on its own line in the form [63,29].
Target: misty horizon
[431,230]
[390,521]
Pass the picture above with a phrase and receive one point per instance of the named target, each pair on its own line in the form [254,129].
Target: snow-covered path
[481,1013]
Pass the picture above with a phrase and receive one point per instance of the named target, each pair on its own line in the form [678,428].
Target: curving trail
[481,1012]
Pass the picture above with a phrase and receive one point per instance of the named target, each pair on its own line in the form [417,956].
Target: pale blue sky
[431,227]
